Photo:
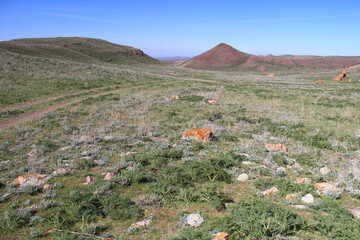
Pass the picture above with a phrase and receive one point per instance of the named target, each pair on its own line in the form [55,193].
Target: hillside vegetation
[117,166]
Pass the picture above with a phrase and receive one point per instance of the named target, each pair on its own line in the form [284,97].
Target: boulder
[318,82]
[270,191]
[308,198]
[200,135]
[109,175]
[194,220]
[243,177]
[88,180]
[175,97]
[213,102]
[276,147]
[304,180]
[30,180]
[271,75]
[220,236]
[325,171]
[355,211]
[291,196]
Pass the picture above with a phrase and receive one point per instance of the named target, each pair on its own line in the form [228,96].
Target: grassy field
[157,176]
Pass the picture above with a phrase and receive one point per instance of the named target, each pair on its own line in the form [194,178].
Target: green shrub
[254,218]
[119,208]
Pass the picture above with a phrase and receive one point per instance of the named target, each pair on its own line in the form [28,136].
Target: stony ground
[283,161]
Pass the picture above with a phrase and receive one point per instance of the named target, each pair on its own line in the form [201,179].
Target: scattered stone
[243,177]
[325,170]
[175,97]
[213,102]
[355,211]
[194,220]
[322,185]
[200,135]
[30,180]
[141,224]
[281,171]
[304,180]
[220,236]
[299,207]
[291,196]
[59,171]
[308,198]
[276,147]
[88,180]
[109,175]
[270,191]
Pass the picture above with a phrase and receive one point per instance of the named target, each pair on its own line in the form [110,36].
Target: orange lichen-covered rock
[221,236]
[271,75]
[213,102]
[175,97]
[276,147]
[348,80]
[355,70]
[304,180]
[30,179]
[201,135]
[337,79]
[318,82]
[291,196]
[322,185]
[270,191]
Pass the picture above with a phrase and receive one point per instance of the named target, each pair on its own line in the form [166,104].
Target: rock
[276,147]
[291,196]
[248,163]
[59,171]
[270,191]
[108,138]
[220,236]
[175,97]
[30,180]
[304,180]
[271,75]
[355,211]
[35,153]
[243,177]
[281,171]
[109,175]
[308,198]
[299,207]
[328,189]
[88,180]
[141,224]
[318,82]
[47,186]
[87,138]
[64,148]
[200,135]
[325,170]
[213,102]
[194,220]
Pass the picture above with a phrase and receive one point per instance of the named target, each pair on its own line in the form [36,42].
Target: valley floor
[131,135]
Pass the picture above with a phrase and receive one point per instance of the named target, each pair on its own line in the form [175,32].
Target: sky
[188,28]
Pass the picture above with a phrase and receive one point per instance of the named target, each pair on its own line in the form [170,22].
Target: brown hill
[225,57]
[220,57]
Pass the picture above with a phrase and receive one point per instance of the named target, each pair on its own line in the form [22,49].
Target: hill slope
[77,49]
[225,57]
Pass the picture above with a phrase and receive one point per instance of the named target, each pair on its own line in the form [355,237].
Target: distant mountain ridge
[225,57]
[78,49]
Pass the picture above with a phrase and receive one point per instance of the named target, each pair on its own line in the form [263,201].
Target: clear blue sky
[187,28]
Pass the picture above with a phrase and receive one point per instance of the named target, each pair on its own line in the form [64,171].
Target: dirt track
[27,117]
[43,100]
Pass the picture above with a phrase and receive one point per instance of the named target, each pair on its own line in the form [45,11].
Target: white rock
[194,220]
[88,180]
[243,177]
[308,198]
[108,138]
[64,148]
[325,170]
[142,223]
[299,207]
[355,211]
[59,171]
[248,163]
[109,175]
